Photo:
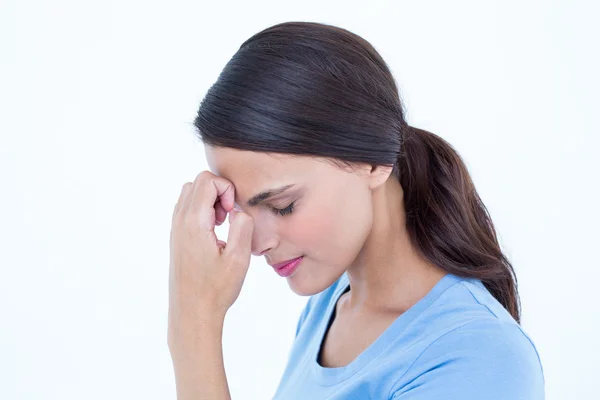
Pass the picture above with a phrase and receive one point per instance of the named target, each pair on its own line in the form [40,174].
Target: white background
[96,139]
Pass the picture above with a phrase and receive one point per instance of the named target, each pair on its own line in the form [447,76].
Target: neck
[389,274]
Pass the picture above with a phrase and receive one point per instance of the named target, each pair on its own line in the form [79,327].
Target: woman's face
[326,216]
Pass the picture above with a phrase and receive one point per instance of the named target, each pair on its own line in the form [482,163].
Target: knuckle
[204,175]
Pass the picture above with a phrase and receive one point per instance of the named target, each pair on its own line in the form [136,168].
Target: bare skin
[205,279]
[342,220]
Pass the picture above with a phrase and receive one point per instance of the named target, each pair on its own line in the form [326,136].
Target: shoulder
[488,357]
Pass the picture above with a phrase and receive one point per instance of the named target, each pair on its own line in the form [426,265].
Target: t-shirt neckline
[326,376]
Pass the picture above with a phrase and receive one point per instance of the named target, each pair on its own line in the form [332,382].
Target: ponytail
[447,220]
[318,90]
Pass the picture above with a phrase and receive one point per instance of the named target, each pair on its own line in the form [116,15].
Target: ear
[378,175]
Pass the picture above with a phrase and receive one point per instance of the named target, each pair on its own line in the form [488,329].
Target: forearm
[198,363]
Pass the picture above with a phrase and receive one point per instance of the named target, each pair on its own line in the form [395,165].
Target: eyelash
[285,211]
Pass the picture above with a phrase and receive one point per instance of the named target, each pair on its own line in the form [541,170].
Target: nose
[262,244]
[264,238]
[260,253]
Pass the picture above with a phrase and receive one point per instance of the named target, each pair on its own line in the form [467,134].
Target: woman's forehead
[233,163]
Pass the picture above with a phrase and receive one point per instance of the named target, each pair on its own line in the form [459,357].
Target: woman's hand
[205,274]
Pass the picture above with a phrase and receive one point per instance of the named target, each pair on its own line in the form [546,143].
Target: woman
[411,297]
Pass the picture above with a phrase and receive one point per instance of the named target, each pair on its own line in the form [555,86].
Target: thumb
[239,238]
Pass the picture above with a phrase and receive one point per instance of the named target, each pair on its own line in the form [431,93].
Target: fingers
[181,205]
[175,209]
[220,213]
[206,190]
[239,238]
[209,197]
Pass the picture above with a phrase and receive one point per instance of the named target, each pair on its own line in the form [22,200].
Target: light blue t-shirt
[456,343]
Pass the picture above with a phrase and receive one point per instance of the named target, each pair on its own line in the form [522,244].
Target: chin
[302,290]
[309,287]
[299,287]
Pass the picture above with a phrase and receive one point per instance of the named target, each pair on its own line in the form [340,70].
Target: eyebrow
[262,196]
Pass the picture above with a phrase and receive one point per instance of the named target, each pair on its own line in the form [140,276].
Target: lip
[286,268]
[284,263]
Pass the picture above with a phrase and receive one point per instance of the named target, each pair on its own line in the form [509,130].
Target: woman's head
[324,211]
[316,106]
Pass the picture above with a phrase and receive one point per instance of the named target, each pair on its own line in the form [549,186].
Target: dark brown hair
[314,89]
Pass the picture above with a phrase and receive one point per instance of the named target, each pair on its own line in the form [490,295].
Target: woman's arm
[205,279]
[198,362]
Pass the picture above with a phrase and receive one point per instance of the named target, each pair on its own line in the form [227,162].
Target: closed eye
[284,211]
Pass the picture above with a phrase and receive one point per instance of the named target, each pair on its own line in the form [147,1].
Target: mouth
[286,268]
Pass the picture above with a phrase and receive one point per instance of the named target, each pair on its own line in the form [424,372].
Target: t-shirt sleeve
[490,360]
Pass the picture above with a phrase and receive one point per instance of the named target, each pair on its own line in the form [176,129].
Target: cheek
[334,231]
